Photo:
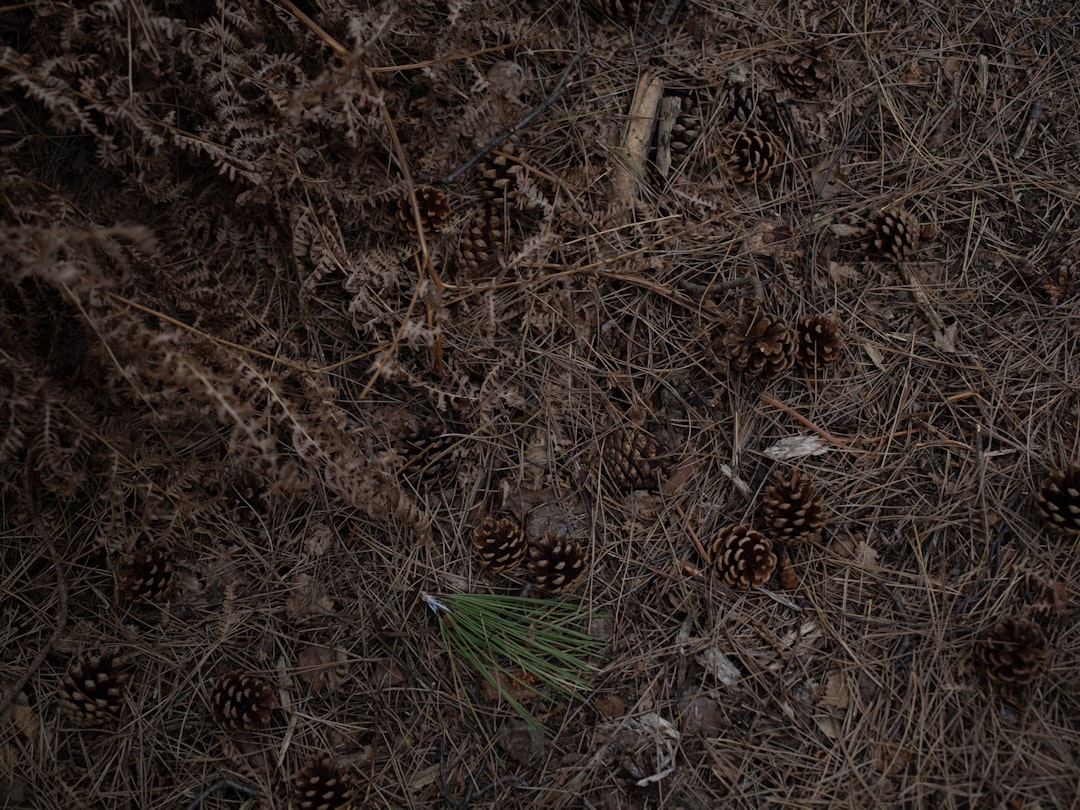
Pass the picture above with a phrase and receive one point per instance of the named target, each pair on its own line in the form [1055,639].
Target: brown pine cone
[147,574]
[499,543]
[92,690]
[482,248]
[499,173]
[742,556]
[751,155]
[805,73]
[892,236]
[1013,651]
[1060,283]
[324,785]
[1058,500]
[818,341]
[793,511]
[632,459]
[686,130]
[434,209]
[619,10]
[759,345]
[556,562]
[242,701]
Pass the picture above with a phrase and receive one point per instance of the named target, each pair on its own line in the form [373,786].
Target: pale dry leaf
[318,541]
[945,339]
[834,693]
[876,357]
[829,725]
[719,666]
[840,273]
[321,668]
[845,231]
[796,447]
[308,597]
[26,721]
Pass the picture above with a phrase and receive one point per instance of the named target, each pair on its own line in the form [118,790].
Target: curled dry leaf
[321,668]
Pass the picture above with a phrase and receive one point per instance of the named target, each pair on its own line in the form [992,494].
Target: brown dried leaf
[321,668]
[835,694]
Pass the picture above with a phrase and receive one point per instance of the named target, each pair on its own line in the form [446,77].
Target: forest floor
[248,417]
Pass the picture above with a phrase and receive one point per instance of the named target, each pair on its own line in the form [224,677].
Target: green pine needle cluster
[511,635]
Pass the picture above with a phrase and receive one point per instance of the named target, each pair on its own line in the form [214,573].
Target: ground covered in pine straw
[220,342]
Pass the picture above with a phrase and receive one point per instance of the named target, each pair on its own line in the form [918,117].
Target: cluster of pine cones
[762,345]
[556,563]
[793,512]
[92,695]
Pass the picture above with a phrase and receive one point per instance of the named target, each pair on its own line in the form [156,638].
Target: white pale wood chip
[797,447]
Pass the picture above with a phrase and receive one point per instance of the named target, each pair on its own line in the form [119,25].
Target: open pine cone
[751,155]
[686,129]
[759,345]
[742,556]
[434,209]
[818,341]
[632,459]
[499,543]
[1061,282]
[1013,651]
[499,173]
[92,690]
[793,511]
[556,562]
[147,574]
[482,248]
[242,701]
[891,236]
[805,73]
[1058,500]
[324,785]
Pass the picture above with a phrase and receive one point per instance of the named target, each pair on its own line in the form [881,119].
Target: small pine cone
[147,574]
[92,690]
[1013,651]
[686,130]
[324,785]
[499,173]
[1058,500]
[751,155]
[556,562]
[892,236]
[618,10]
[499,543]
[759,345]
[806,73]
[793,510]
[434,209]
[742,556]
[1060,283]
[242,701]
[482,248]
[632,459]
[818,341]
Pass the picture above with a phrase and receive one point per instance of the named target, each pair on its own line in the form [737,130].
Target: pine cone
[632,459]
[499,543]
[500,171]
[1060,283]
[742,556]
[434,209]
[147,574]
[751,155]
[1013,651]
[793,511]
[1058,500]
[818,342]
[92,690]
[619,10]
[482,248]
[242,701]
[324,785]
[556,562]
[686,129]
[805,73]
[892,236]
[759,345]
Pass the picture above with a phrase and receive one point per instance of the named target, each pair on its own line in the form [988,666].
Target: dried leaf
[835,694]
[308,597]
[719,666]
[321,668]
[796,447]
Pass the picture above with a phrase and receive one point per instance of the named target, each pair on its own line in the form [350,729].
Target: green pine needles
[516,636]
